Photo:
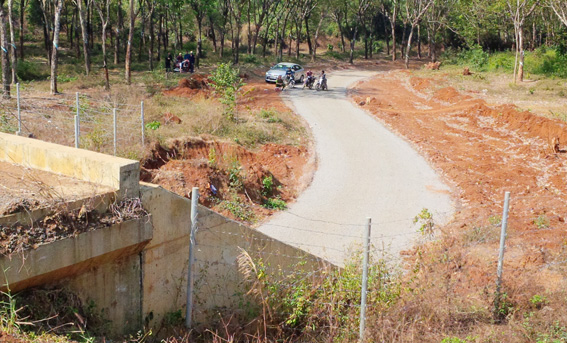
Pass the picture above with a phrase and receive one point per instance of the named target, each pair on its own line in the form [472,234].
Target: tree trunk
[342,35]
[104,64]
[213,36]
[127,73]
[393,30]
[151,37]
[315,40]
[85,37]
[297,40]
[386,32]
[249,49]
[221,42]
[142,44]
[418,41]
[308,35]
[12,43]
[118,31]
[46,38]
[408,48]
[77,34]
[352,42]
[199,41]
[70,29]
[5,60]
[54,57]
[521,50]
[22,7]
[160,37]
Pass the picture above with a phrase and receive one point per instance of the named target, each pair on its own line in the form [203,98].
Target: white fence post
[501,251]
[77,121]
[19,109]
[142,119]
[114,128]
[364,279]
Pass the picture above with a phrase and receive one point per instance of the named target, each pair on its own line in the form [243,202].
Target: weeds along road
[364,170]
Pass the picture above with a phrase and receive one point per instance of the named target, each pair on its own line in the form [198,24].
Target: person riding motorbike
[290,75]
[309,79]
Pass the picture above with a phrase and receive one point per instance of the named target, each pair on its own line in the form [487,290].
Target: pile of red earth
[191,86]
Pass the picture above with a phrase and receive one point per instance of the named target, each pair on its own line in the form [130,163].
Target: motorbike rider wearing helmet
[289,74]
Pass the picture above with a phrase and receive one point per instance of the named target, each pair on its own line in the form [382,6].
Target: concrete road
[363,171]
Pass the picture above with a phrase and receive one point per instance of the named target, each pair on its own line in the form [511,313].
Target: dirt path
[364,170]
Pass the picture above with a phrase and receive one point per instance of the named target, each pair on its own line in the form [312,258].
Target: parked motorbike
[321,84]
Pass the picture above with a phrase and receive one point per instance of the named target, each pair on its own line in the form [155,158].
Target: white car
[281,68]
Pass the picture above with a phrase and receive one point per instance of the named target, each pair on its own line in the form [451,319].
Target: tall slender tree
[55,50]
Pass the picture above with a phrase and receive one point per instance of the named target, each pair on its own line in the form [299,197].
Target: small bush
[252,59]
[475,57]
[275,204]
[154,125]
[29,71]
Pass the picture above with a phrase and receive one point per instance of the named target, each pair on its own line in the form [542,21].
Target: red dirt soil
[186,164]
[483,151]
[200,163]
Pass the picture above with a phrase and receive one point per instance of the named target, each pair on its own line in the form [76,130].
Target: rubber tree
[322,16]
[128,59]
[55,50]
[559,7]
[5,58]
[415,10]
[236,8]
[200,8]
[390,9]
[519,10]
[85,34]
[12,48]
[104,15]
[23,5]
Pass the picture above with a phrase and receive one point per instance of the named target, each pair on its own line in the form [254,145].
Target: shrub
[29,71]
[476,57]
[275,204]
[227,83]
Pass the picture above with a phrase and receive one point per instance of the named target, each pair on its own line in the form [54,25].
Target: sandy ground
[364,170]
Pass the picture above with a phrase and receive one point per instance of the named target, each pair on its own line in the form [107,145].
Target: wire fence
[77,120]
[307,266]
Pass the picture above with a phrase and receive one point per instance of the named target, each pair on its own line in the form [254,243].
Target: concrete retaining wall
[101,266]
[118,173]
[218,283]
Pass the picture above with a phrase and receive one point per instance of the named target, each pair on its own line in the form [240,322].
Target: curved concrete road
[364,170]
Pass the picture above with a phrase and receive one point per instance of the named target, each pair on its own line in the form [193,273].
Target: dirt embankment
[483,151]
[232,180]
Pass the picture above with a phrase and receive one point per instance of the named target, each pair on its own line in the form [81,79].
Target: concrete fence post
[77,121]
[364,290]
[501,250]
[19,109]
[190,277]
[142,120]
[114,129]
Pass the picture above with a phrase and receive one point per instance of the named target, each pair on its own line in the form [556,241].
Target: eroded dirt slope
[483,151]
